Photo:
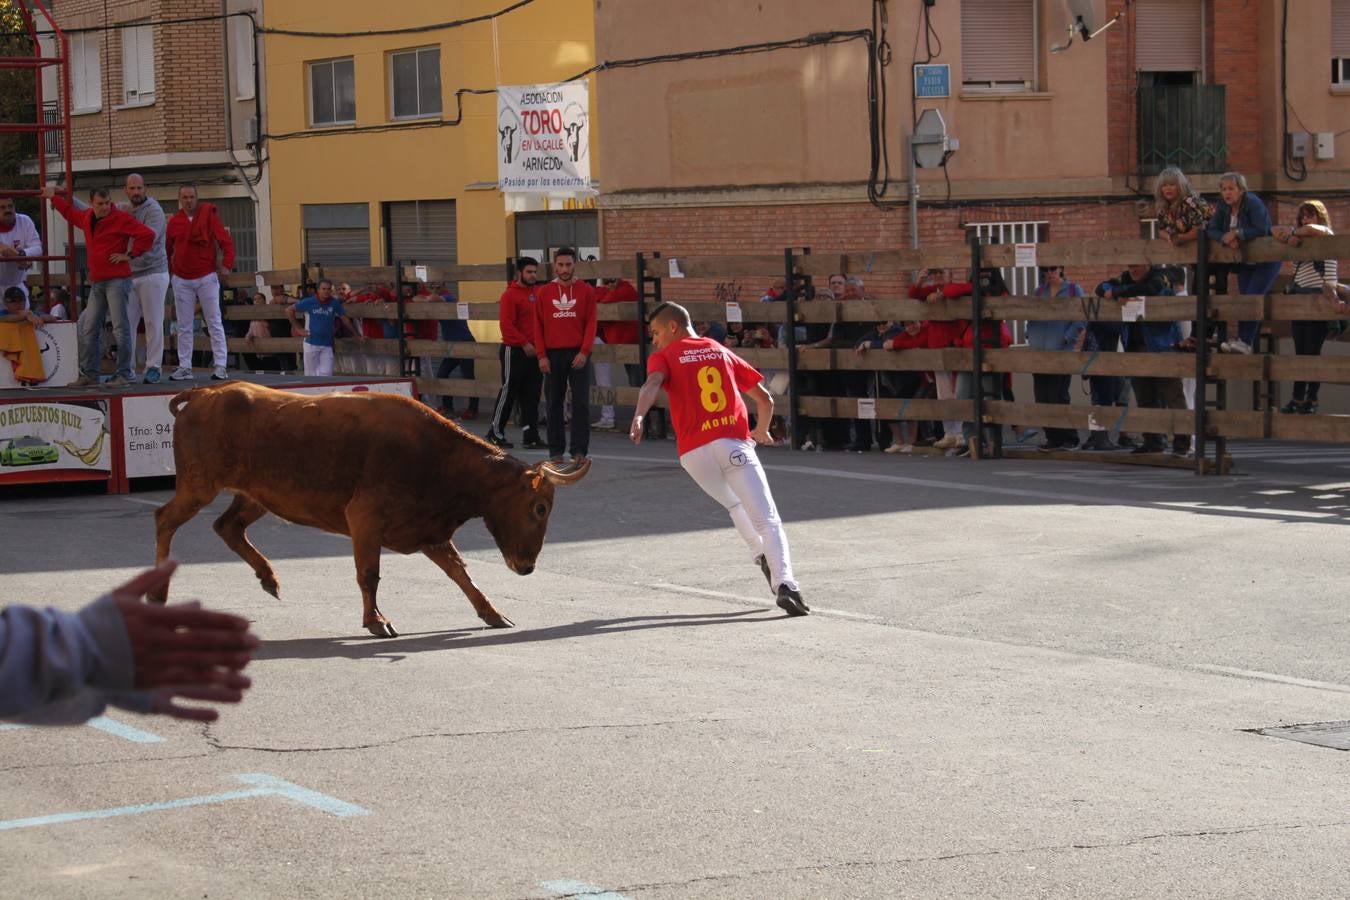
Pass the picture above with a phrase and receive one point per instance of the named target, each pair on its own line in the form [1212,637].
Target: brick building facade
[174,102]
[1013,173]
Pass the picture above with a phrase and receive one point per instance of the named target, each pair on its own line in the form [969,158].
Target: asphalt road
[1023,678]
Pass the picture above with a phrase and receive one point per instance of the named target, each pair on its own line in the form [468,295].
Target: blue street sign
[933,80]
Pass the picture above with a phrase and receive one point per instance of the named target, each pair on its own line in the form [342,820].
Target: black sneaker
[1125,442]
[764,567]
[497,440]
[791,602]
[532,442]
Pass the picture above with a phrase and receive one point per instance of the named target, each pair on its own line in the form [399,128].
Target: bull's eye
[540,510]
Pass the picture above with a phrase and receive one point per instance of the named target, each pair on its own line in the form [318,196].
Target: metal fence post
[977,346]
[790,335]
[1201,336]
[402,338]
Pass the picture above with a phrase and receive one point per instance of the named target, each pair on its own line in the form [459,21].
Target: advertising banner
[148,426]
[544,138]
[54,436]
[58,345]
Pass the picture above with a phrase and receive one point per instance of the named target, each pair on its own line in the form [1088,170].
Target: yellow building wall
[539,43]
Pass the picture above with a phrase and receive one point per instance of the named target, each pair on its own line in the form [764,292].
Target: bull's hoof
[497,620]
[382,629]
[271,587]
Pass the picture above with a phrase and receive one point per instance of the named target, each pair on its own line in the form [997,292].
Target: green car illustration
[27,451]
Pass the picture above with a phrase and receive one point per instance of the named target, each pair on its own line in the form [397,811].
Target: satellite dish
[1086,18]
[930,142]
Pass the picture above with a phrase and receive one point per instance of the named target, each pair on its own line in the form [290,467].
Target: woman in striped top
[1310,277]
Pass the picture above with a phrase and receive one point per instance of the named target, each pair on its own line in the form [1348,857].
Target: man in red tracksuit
[200,251]
[112,237]
[564,320]
[520,366]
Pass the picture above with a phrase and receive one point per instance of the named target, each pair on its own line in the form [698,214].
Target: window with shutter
[421,231]
[998,45]
[86,75]
[1340,42]
[243,57]
[138,65]
[1169,35]
[337,234]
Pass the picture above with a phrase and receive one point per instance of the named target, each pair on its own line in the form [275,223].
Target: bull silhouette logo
[575,121]
[508,136]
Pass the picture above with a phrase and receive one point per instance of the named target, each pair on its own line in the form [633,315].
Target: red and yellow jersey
[704,381]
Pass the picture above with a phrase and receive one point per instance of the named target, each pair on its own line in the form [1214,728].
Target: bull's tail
[178,402]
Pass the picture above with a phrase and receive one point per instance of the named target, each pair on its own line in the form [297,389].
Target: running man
[704,381]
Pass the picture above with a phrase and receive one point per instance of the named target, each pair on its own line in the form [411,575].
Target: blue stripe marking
[265,786]
[7,726]
[126,732]
[580,889]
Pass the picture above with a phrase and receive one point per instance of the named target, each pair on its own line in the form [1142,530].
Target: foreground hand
[635,430]
[761,434]
[579,361]
[118,258]
[543,365]
[183,650]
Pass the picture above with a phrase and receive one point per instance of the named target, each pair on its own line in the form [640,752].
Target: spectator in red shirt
[520,360]
[564,317]
[200,251]
[617,290]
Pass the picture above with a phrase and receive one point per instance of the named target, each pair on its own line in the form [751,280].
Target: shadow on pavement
[395,649]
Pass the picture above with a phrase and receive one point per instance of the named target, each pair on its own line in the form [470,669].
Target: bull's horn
[567,475]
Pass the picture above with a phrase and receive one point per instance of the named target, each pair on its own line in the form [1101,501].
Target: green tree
[18,99]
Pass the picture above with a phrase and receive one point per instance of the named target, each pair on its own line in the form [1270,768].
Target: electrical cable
[1302,173]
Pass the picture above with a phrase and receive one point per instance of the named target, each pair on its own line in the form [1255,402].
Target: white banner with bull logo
[544,138]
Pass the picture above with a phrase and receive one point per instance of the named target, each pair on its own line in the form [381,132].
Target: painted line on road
[265,786]
[141,500]
[569,888]
[1271,676]
[109,726]
[1201,506]
[126,732]
[751,601]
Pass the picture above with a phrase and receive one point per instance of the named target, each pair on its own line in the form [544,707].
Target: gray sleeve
[55,667]
[154,220]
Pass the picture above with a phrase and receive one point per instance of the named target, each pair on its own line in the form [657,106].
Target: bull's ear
[567,474]
[536,476]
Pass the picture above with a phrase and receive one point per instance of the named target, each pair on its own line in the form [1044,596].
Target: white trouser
[946,390]
[728,470]
[318,360]
[146,301]
[187,293]
[604,380]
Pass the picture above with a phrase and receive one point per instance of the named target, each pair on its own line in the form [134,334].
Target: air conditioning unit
[250,131]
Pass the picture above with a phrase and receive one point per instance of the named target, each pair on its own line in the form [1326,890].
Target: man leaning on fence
[113,239]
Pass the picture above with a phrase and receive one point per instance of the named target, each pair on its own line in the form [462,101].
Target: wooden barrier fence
[1211,421]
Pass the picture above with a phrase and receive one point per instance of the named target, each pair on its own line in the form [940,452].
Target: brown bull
[381,468]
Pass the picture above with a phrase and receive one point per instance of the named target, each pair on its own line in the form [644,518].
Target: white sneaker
[900,448]
[1235,346]
[948,442]
[603,425]
[808,446]
[182,373]
[219,374]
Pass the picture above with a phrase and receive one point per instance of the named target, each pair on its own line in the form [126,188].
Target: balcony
[1182,125]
